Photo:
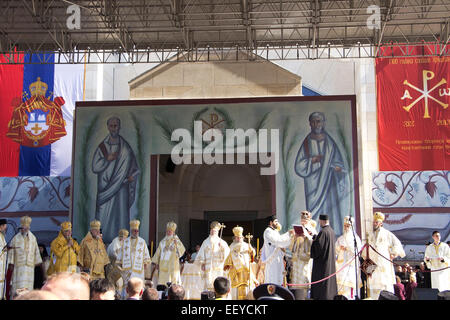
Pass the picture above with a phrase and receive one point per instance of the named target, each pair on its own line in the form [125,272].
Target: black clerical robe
[324,264]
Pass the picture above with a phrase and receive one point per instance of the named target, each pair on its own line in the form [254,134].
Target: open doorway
[194,195]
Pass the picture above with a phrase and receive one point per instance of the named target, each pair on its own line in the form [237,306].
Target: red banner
[413,114]
[11,83]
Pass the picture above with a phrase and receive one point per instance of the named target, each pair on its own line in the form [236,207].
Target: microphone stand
[355,249]
[5,251]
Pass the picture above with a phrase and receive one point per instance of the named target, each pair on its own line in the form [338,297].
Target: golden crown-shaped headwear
[305,215]
[66,225]
[237,231]
[215,225]
[38,88]
[25,221]
[95,224]
[378,216]
[134,224]
[347,220]
[123,233]
[171,226]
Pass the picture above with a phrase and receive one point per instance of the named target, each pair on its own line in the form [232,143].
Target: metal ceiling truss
[140,31]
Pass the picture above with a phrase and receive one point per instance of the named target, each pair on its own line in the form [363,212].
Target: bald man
[68,286]
[135,288]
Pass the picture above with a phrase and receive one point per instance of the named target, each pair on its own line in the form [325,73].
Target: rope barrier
[348,263]
[330,276]
[401,265]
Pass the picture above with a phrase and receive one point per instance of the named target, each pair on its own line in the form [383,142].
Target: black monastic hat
[3,221]
[323,217]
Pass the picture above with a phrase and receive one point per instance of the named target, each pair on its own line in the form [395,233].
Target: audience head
[68,286]
[221,286]
[135,287]
[101,289]
[150,294]
[37,295]
[175,292]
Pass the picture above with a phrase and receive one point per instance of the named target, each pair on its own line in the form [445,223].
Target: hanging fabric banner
[413,95]
[37,103]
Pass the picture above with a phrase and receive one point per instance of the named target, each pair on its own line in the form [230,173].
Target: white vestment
[114,248]
[3,255]
[192,282]
[383,278]
[132,257]
[440,279]
[346,278]
[167,257]
[24,256]
[272,255]
[212,254]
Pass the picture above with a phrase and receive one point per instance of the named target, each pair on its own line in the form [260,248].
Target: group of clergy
[315,257]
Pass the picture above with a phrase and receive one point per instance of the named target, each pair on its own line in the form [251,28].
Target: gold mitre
[123,233]
[25,221]
[347,220]
[66,225]
[305,215]
[171,226]
[378,216]
[38,88]
[215,225]
[134,224]
[237,231]
[95,225]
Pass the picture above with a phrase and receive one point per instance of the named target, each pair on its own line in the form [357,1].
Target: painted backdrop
[113,143]
[415,204]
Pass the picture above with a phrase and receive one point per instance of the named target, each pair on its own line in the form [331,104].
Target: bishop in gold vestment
[63,251]
[23,257]
[167,256]
[238,263]
[301,257]
[92,256]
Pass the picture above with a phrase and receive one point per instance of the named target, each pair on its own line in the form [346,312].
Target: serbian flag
[413,96]
[37,104]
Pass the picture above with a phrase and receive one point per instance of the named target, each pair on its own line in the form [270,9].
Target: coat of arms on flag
[37,121]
